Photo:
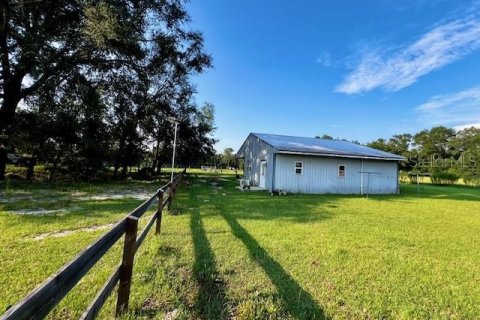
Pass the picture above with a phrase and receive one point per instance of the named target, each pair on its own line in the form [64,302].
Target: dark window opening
[341,171]
[298,167]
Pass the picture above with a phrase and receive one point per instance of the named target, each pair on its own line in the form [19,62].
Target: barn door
[263,174]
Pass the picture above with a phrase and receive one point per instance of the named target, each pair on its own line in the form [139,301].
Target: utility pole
[174,145]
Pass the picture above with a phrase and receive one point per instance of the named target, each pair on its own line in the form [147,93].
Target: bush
[403,175]
[472,180]
[444,177]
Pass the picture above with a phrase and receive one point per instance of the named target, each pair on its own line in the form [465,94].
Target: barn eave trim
[337,155]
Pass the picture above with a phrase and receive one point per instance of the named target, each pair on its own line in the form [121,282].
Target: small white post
[174,146]
[361,178]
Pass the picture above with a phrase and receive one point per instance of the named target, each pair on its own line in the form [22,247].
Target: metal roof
[324,147]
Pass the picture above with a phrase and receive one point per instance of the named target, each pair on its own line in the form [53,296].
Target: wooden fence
[45,297]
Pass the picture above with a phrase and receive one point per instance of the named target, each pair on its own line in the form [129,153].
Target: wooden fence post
[126,267]
[159,212]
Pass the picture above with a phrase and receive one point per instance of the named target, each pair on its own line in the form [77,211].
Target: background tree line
[88,85]
[446,154]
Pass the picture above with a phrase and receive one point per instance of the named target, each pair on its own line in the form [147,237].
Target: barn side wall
[320,175]
[256,150]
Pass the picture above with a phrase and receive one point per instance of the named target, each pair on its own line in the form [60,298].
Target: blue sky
[344,68]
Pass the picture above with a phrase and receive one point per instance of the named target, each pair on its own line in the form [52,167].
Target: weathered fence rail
[38,303]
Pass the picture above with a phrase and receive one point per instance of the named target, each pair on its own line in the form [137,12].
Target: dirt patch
[14,199]
[76,194]
[65,233]
[42,211]
[11,197]
[171,315]
[150,304]
[137,195]
[32,196]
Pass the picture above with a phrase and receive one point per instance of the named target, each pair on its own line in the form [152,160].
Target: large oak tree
[46,44]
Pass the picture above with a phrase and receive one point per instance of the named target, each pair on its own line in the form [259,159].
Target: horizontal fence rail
[38,303]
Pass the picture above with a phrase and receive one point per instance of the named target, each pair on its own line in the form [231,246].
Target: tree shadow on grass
[298,302]
[211,302]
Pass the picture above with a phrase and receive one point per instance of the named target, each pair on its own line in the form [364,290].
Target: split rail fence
[45,297]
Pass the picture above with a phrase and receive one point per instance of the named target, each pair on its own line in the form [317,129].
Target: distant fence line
[38,303]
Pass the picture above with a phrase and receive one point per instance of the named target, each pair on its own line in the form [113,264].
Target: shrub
[472,180]
[444,177]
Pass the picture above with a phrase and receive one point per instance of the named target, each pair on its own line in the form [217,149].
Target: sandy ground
[42,211]
[64,233]
[74,196]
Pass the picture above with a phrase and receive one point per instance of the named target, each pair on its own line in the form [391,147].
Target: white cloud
[325,60]
[397,68]
[460,110]
[465,126]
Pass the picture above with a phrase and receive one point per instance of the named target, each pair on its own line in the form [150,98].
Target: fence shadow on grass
[298,302]
[211,302]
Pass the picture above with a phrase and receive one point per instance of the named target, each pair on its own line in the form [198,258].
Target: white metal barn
[309,165]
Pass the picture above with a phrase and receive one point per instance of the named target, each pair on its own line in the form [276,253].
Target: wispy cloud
[325,60]
[395,68]
[460,110]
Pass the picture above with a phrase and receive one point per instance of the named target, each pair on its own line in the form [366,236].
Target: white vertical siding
[256,150]
[320,175]
[386,181]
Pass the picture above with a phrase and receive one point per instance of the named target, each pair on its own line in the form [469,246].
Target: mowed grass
[249,255]
[33,246]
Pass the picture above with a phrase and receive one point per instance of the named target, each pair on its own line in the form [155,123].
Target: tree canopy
[443,152]
[85,84]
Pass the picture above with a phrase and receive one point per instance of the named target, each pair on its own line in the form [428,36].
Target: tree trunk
[86,174]
[158,163]
[54,168]
[123,175]
[31,167]
[124,162]
[12,85]
[3,162]
[116,166]
[120,159]
[7,110]
[156,160]
[12,78]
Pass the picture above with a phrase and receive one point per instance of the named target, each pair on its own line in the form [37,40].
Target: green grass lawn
[249,255]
